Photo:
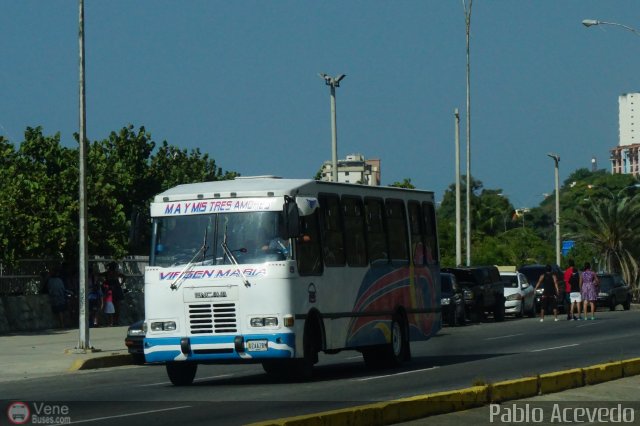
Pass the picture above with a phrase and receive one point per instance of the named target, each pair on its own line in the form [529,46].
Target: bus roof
[263,186]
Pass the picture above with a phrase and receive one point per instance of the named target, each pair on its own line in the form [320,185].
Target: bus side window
[308,250]
[397,226]
[431,237]
[416,221]
[376,233]
[332,236]
[355,241]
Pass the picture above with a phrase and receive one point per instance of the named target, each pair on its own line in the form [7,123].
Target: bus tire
[395,352]
[399,349]
[181,373]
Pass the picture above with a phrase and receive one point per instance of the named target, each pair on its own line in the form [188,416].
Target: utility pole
[467,19]
[457,173]
[84,341]
[556,159]
[333,82]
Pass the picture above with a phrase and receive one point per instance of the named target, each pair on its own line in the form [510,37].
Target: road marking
[396,374]
[504,337]
[556,347]
[200,379]
[139,413]
[354,357]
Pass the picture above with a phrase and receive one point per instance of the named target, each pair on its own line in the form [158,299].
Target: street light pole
[333,82]
[457,173]
[556,159]
[83,320]
[467,20]
[593,22]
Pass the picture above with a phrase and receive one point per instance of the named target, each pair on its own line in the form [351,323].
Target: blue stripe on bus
[212,348]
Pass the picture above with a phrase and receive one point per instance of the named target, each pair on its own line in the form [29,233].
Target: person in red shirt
[572,290]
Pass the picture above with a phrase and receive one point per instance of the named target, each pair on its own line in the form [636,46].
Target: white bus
[274,271]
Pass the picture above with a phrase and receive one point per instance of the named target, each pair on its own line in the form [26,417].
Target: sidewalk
[52,352]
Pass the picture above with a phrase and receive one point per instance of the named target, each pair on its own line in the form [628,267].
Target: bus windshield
[250,237]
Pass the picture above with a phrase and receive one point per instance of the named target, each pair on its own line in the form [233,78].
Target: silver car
[519,294]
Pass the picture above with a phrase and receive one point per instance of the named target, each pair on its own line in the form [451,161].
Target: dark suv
[452,300]
[483,291]
[533,273]
[613,291]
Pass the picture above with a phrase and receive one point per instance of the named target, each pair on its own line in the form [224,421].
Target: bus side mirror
[291,219]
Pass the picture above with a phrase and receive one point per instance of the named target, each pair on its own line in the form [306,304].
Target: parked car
[613,291]
[533,272]
[452,300]
[135,341]
[483,291]
[519,296]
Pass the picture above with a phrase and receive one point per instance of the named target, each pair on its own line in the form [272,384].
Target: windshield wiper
[232,257]
[203,249]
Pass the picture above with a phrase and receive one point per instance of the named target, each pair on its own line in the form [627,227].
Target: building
[354,169]
[624,157]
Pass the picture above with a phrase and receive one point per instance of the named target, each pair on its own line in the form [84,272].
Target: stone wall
[33,312]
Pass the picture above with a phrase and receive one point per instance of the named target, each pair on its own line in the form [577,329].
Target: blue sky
[238,79]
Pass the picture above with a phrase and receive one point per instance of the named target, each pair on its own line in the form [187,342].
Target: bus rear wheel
[181,373]
[395,352]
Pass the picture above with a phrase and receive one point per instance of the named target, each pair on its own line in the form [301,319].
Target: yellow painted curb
[513,389]
[384,413]
[602,373]
[101,362]
[631,367]
[563,380]
[417,407]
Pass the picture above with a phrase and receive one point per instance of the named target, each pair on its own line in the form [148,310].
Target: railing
[29,276]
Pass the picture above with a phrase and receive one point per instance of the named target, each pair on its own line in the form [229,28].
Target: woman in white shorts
[576,301]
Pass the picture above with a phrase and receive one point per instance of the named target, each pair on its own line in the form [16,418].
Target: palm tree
[610,227]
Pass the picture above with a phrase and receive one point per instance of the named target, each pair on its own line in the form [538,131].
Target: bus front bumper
[219,348]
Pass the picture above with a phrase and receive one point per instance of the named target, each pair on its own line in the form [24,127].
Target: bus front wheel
[181,373]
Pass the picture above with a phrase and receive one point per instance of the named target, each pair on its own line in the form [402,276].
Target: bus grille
[212,318]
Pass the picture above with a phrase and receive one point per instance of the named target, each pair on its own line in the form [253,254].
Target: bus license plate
[256,345]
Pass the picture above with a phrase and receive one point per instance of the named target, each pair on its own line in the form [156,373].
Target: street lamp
[467,20]
[333,82]
[617,195]
[556,159]
[592,22]
[84,342]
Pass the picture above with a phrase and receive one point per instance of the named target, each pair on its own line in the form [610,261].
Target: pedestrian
[550,290]
[96,303]
[114,279]
[572,280]
[57,296]
[589,283]
[108,308]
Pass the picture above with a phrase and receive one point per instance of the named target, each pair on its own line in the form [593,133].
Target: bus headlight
[163,326]
[264,322]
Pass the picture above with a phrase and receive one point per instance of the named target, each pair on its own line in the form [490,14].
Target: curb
[116,360]
[417,407]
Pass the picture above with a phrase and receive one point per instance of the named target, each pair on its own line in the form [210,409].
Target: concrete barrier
[421,406]
[513,389]
[602,373]
[557,382]
[631,367]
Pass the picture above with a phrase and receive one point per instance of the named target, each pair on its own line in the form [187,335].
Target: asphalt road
[233,394]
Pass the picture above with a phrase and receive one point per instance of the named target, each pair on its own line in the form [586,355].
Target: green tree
[406,183]
[609,227]
[39,192]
